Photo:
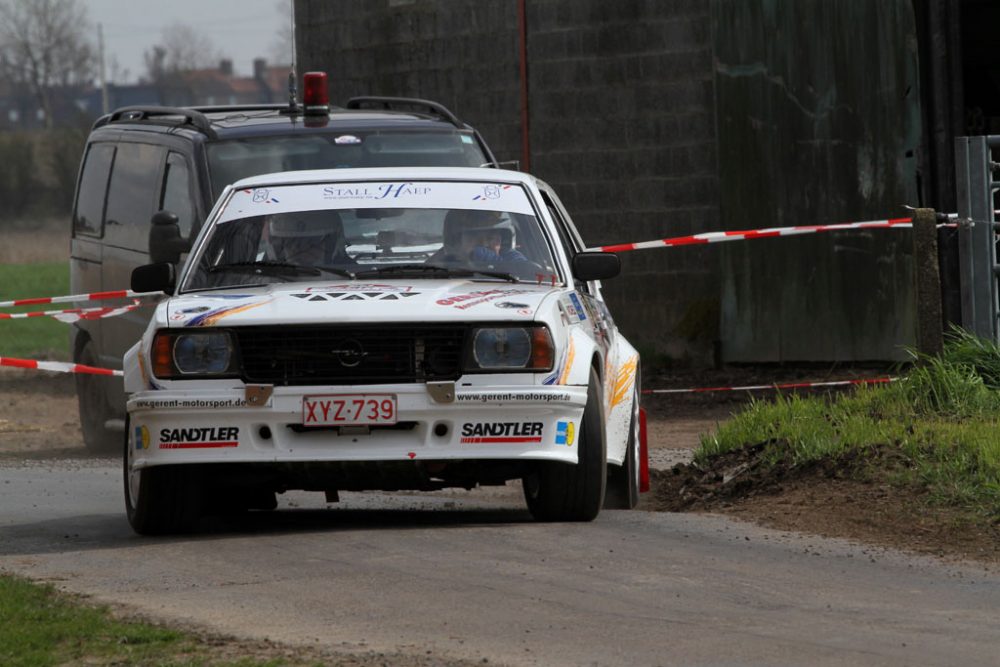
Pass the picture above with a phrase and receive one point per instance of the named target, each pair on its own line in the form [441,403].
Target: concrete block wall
[622,125]
[461,53]
[622,122]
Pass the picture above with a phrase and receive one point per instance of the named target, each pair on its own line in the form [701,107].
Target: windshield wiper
[335,270]
[446,271]
[503,275]
[278,268]
[265,267]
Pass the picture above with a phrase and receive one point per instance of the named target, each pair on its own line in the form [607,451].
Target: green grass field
[36,337]
[40,627]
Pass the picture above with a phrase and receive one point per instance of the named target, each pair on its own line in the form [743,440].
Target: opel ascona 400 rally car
[417,329]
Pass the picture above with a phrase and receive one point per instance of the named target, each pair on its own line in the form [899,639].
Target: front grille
[322,354]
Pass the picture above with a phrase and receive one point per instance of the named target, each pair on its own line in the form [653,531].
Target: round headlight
[508,347]
[202,353]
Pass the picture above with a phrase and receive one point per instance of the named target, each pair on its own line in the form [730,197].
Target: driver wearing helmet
[478,237]
[308,238]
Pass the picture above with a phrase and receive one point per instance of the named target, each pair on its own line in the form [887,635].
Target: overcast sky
[239,29]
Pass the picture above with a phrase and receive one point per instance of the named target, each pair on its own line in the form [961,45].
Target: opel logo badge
[349,352]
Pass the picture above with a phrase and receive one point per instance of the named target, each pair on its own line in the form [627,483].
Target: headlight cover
[189,354]
[510,348]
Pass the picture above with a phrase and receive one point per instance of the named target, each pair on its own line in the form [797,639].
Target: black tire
[163,499]
[566,492]
[623,480]
[93,405]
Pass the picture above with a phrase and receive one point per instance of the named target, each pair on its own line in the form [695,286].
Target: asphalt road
[470,576]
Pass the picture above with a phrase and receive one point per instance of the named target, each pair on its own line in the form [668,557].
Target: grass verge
[35,337]
[940,422]
[40,626]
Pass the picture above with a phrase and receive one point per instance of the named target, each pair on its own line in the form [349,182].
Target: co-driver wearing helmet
[307,238]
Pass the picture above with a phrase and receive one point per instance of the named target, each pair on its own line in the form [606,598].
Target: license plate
[349,410]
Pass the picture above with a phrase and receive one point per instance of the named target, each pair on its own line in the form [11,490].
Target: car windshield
[414,230]
[233,159]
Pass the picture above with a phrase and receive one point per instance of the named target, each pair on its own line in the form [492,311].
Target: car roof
[233,122]
[316,176]
[230,122]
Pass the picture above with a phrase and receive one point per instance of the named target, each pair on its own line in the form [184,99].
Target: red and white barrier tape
[790,385]
[56,366]
[63,367]
[73,314]
[93,296]
[718,237]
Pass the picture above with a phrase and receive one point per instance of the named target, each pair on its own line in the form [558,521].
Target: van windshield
[233,159]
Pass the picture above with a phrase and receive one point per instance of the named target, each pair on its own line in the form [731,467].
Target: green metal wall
[818,122]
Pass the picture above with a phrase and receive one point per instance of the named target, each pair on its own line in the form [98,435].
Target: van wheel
[565,492]
[160,500]
[93,405]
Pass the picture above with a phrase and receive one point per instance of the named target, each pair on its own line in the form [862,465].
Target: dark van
[142,161]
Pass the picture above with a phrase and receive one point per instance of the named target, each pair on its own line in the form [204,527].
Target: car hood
[355,301]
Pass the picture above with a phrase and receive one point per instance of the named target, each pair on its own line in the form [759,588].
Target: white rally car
[391,329]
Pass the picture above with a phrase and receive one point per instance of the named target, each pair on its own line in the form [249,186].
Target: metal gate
[977,242]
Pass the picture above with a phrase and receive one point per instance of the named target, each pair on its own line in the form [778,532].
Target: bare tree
[283,43]
[115,70]
[156,63]
[44,45]
[182,48]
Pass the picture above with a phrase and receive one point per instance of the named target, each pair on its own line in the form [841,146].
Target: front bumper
[220,426]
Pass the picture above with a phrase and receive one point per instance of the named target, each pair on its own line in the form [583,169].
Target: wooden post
[930,338]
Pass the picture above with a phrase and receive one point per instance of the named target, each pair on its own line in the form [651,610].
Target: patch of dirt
[847,497]
[45,241]
[38,415]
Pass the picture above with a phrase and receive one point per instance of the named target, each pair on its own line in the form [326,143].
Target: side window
[564,238]
[93,186]
[132,194]
[176,196]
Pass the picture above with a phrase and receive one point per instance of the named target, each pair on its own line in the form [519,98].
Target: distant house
[76,105]
[209,87]
[21,110]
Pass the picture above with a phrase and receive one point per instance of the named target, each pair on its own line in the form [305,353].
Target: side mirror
[165,241]
[596,266]
[160,277]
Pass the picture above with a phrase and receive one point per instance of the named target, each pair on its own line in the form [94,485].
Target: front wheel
[162,499]
[565,492]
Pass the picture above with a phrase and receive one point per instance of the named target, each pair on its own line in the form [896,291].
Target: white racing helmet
[292,234]
[463,222]
[305,224]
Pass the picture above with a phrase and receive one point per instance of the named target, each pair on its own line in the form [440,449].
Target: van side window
[132,194]
[93,187]
[177,196]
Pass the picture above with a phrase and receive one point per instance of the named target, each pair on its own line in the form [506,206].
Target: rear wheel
[162,499]
[623,481]
[94,409]
[566,492]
